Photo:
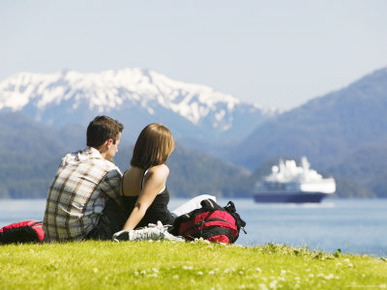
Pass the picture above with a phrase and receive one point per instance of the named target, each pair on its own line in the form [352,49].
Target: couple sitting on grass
[89,198]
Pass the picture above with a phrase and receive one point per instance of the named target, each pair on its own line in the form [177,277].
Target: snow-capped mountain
[135,97]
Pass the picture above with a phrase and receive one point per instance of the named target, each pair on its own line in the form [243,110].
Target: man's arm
[111,186]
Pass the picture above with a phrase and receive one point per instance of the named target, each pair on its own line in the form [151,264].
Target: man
[84,199]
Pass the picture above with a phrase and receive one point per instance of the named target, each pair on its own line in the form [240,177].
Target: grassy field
[180,265]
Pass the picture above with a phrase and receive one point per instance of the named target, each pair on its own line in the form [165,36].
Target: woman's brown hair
[153,146]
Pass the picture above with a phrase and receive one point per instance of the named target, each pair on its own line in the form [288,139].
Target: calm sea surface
[354,226]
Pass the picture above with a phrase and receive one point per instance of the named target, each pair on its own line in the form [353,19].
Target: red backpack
[210,222]
[22,232]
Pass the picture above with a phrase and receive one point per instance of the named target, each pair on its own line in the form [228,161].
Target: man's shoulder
[103,164]
[75,157]
[89,157]
[112,168]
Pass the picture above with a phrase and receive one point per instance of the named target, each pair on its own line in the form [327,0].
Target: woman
[144,187]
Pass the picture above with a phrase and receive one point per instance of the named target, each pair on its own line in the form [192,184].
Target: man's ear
[109,142]
[105,146]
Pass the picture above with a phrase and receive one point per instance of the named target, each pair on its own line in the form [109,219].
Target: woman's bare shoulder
[159,169]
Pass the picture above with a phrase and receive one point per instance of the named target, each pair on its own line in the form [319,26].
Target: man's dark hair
[101,129]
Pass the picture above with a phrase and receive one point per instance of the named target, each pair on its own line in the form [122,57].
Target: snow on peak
[111,89]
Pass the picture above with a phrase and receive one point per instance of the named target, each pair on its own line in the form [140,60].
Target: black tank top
[157,211]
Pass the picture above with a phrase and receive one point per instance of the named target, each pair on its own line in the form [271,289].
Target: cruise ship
[293,184]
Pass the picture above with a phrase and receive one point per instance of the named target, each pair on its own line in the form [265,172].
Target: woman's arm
[154,183]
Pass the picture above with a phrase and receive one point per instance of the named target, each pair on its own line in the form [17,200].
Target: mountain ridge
[64,97]
[343,133]
[332,131]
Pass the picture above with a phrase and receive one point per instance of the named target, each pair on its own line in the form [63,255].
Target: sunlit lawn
[181,265]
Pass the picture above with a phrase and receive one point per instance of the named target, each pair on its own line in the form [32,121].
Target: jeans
[111,221]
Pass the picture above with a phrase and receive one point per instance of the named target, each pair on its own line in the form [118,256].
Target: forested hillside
[343,132]
[30,153]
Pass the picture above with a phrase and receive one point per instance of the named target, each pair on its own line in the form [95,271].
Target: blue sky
[276,53]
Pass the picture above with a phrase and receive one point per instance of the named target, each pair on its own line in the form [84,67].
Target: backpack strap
[230,208]
[210,205]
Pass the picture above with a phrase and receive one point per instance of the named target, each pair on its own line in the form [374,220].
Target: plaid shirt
[78,195]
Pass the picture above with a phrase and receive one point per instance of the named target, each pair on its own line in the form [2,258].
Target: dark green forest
[30,153]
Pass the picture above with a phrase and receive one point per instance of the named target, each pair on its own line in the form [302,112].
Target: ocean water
[354,226]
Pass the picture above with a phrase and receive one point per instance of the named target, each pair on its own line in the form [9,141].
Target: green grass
[179,265]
